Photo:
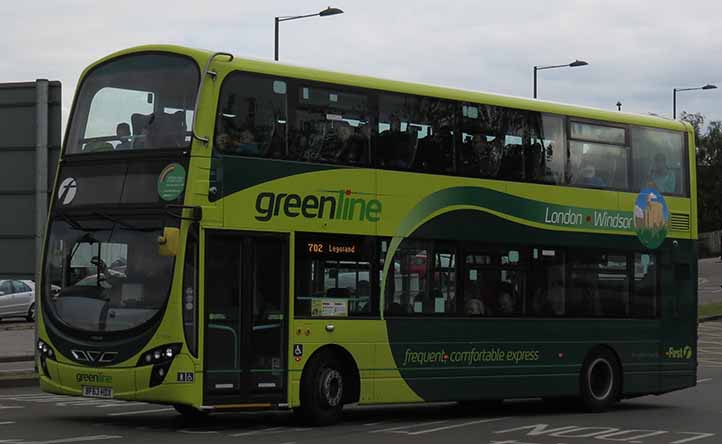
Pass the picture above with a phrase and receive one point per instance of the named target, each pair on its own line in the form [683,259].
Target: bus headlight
[161,359]
[159,355]
[46,352]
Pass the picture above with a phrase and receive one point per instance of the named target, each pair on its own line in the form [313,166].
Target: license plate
[97,392]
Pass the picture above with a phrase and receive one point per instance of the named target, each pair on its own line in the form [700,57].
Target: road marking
[140,412]
[256,432]
[708,326]
[707,350]
[374,423]
[198,432]
[703,380]
[6,422]
[8,407]
[64,440]
[455,426]
[406,426]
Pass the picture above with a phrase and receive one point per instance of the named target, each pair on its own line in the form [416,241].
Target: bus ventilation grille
[679,222]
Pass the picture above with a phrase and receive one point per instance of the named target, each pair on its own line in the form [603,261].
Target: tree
[709,171]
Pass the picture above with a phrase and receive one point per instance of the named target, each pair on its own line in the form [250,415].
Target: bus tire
[190,413]
[600,380]
[31,313]
[322,390]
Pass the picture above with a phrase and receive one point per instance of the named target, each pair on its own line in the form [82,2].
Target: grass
[710,310]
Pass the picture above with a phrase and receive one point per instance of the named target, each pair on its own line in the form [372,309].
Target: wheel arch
[349,369]
[613,352]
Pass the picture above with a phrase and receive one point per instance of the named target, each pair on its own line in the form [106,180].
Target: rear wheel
[600,380]
[322,390]
[31,313]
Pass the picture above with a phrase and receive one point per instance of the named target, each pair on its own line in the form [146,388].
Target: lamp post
[676,90]
[325,13]
[574,64]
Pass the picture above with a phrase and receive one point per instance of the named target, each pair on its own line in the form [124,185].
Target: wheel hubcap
[332,387]
[600,378]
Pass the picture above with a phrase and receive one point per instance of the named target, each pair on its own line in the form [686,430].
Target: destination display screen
[334,247]
[323,245]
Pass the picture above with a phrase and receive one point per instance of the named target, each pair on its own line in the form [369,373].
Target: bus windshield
[105,275]
[142,101]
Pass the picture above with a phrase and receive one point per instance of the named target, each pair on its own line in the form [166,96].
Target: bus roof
[287,70]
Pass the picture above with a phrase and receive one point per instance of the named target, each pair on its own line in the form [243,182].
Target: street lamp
[574,64]
[674,96]
[325,13]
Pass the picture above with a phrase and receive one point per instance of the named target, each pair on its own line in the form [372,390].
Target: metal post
[41,188]
[535,69]
[275,45]
[674,104]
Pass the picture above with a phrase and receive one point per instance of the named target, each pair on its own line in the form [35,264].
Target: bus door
[245,318]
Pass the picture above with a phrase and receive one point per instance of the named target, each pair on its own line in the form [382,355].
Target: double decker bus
[231,234]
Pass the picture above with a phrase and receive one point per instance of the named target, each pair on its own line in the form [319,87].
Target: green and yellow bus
[231,234]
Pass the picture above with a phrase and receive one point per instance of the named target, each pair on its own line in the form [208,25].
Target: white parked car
[17,299]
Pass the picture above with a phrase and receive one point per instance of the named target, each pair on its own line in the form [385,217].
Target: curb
[20,380]
[710,318]
[21,358]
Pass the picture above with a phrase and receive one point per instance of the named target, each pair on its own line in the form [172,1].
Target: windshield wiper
[121,223]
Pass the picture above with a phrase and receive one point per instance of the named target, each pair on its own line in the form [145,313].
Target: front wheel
[600,380]
[31,313]
[322,391]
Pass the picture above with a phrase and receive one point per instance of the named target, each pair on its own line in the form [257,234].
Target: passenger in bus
[474,307]
[247,143]
[588,176]
[123,133]
[355,147]
[506,302]
[394,146]
[662,176]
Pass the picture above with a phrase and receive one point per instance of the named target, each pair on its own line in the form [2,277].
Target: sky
[637,51]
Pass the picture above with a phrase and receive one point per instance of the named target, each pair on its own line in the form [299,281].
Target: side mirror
[168,243]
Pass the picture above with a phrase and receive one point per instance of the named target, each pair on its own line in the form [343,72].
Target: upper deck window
[142,101]
[659,160]
[598,156]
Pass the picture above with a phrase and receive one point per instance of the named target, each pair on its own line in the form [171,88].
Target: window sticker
[171,182]
[326,308]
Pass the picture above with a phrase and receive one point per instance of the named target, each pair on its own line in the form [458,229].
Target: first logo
[67,191]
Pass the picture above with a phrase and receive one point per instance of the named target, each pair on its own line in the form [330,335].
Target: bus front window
[109,275]
[142,101]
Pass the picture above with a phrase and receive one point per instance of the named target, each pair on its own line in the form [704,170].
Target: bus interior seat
[167,130]
[139,123]
[97,146]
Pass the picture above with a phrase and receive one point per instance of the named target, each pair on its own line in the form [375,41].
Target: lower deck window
[333,277]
